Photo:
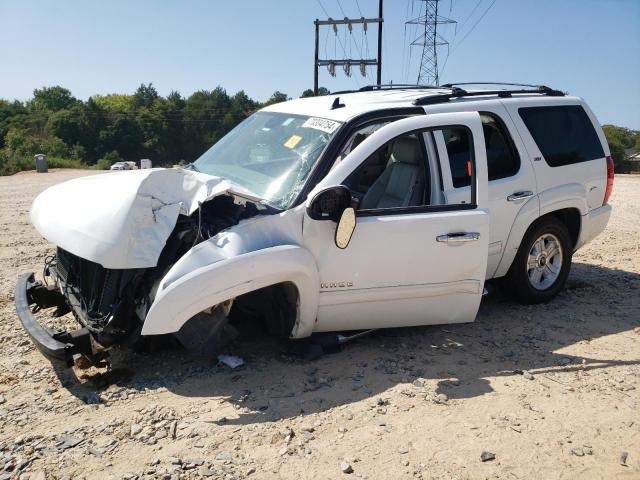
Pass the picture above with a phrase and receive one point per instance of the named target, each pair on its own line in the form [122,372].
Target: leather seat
[402,182]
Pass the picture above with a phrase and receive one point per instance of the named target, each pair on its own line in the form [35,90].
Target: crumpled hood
[123,219]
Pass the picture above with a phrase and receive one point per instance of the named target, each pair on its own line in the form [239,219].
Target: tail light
[607,192]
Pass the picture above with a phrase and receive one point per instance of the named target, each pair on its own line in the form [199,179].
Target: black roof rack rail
[454,84]
[459,92]
[392,86]
[401,86]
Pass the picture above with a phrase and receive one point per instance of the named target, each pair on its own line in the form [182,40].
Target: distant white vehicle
[387,207]
[122,166]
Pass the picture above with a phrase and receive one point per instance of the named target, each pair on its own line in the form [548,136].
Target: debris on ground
[231,361]
[346,467]
[487,456]
[623,458]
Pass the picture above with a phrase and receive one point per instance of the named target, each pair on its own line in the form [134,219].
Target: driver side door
[408,261]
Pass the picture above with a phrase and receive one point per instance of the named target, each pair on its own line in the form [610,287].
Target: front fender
[178,301]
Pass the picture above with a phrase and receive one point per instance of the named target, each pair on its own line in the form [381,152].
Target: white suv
[379,208]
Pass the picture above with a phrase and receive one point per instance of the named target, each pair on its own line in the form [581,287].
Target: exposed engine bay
[110,303]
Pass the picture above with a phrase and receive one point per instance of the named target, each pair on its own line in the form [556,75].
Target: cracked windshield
[270,154]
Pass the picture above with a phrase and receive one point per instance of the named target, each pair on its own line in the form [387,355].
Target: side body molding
[217,282]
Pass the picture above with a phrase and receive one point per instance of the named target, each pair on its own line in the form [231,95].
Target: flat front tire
[543,262]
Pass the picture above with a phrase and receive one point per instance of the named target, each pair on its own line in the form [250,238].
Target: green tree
[309,93]
[619,140]
[10,112]
[145,96]
[52,98]
[277,97]
[114,102]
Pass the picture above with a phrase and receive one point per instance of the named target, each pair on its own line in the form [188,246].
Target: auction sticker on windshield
[322,124]
[293,141]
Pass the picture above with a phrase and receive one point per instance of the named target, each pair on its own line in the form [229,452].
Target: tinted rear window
[564,135]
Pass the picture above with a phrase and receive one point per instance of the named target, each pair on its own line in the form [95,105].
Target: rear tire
[543,262]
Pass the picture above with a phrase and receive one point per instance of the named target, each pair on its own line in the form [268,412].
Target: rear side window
[459,153]
[502,157]
[564,135]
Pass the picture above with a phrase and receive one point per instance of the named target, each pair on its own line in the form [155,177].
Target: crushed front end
[110,304]
[103,301]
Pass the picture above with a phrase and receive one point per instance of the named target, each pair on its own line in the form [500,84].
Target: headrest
[406,150]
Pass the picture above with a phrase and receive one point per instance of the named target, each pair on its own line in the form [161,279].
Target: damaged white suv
[385,207]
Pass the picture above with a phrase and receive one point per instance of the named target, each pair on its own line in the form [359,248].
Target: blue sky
[587,47]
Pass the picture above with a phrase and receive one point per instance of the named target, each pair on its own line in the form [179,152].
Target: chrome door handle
[518,197]
[458,237]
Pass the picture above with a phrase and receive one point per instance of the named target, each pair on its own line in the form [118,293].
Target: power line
[352,40]
[404,42]
[359,11]
[323,9]
[455,34]
[464,22]
[411,35]
[476,24]
[347,62]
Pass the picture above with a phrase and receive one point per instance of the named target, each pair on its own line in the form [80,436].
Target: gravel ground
[547,391]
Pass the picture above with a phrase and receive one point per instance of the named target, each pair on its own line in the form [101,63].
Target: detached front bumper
[59,347]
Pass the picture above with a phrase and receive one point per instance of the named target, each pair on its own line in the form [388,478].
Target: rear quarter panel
[580,185]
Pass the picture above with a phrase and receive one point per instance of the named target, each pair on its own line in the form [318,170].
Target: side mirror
[328,204]
[345,228]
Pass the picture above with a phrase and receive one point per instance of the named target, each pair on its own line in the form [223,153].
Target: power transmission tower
[429,39]
[347,63]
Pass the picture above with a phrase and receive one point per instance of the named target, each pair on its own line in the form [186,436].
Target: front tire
[543,262]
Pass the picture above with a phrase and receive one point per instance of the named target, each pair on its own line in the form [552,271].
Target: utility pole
[347,63]
[429,40]
[379,73]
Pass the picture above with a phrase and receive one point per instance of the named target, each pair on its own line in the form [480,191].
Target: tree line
[621,139]
[108,128]
[174,129]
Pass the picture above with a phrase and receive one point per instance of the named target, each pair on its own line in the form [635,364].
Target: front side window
[564,134]
[395,176]
[360,135]
[270,154]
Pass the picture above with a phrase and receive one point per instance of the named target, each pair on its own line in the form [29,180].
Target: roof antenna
[337,104]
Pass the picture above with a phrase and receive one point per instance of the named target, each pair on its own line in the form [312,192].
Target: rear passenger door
[512,182]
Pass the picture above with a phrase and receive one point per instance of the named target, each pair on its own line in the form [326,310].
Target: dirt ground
[553,391]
